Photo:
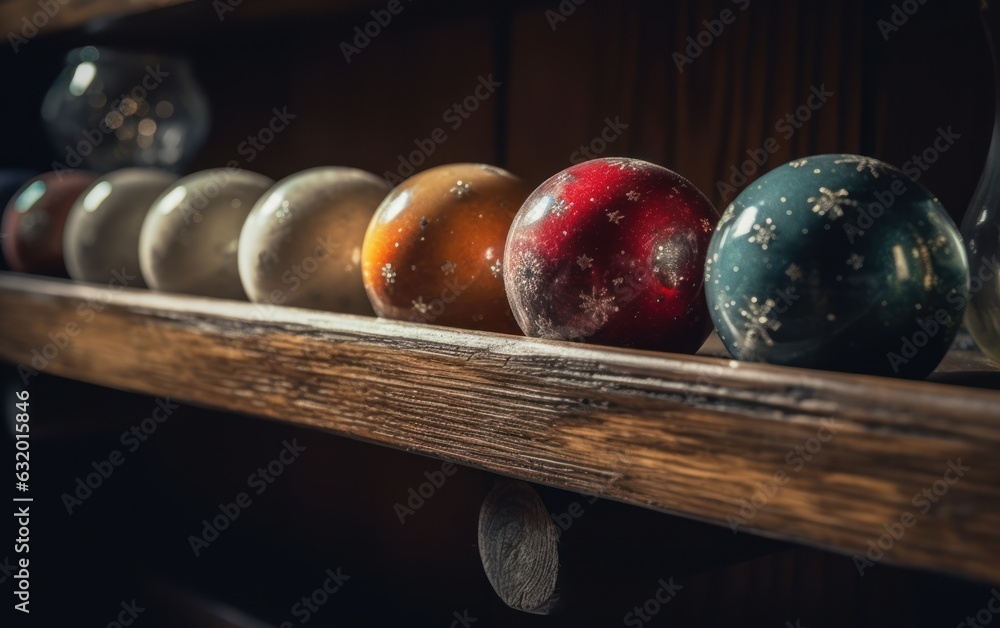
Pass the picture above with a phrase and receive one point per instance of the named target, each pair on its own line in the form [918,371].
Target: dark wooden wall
[606,60]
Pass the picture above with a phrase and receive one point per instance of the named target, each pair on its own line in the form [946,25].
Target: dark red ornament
[612,251]
[34,219]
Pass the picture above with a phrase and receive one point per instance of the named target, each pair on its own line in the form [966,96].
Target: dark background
[334,507]
[607,59]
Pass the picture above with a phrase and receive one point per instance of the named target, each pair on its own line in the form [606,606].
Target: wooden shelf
[72,14]
[97,14]
[688,435]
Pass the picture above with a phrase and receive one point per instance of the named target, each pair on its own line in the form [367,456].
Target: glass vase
[110,109]
[981,225]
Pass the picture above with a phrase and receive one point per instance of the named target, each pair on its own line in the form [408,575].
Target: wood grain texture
[98,13]
[70,14]
[690,435]
[519,546]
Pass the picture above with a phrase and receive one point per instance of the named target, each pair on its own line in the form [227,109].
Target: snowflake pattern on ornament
[461,189]
[389,273]
[873,166]
[598,305]
[759,321]
[830,204]
[763,234]
[419,307]
[545,328]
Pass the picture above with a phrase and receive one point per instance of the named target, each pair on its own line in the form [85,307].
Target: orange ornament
[433,251]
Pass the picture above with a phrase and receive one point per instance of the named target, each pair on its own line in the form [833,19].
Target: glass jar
[110,109]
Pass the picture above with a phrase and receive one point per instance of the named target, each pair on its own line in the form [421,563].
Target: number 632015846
[21,429]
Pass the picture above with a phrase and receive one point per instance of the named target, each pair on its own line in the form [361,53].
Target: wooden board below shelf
[689,435]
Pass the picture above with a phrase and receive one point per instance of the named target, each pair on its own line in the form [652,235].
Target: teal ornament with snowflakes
[838,262]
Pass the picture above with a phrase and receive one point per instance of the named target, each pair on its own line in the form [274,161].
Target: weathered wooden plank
[29,17]
[702,437]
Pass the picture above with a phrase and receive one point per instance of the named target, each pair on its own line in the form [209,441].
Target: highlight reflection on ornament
[837,262]
[34,219]
[101,239]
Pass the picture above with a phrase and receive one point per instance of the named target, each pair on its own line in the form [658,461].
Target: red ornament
[34,220]
[612,251]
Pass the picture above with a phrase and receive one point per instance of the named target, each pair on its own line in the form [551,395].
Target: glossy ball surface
[838,262]
[35,218]
[301,243]
[611,252]
[102,230]
[190,235]
[433,250]
[10,182]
